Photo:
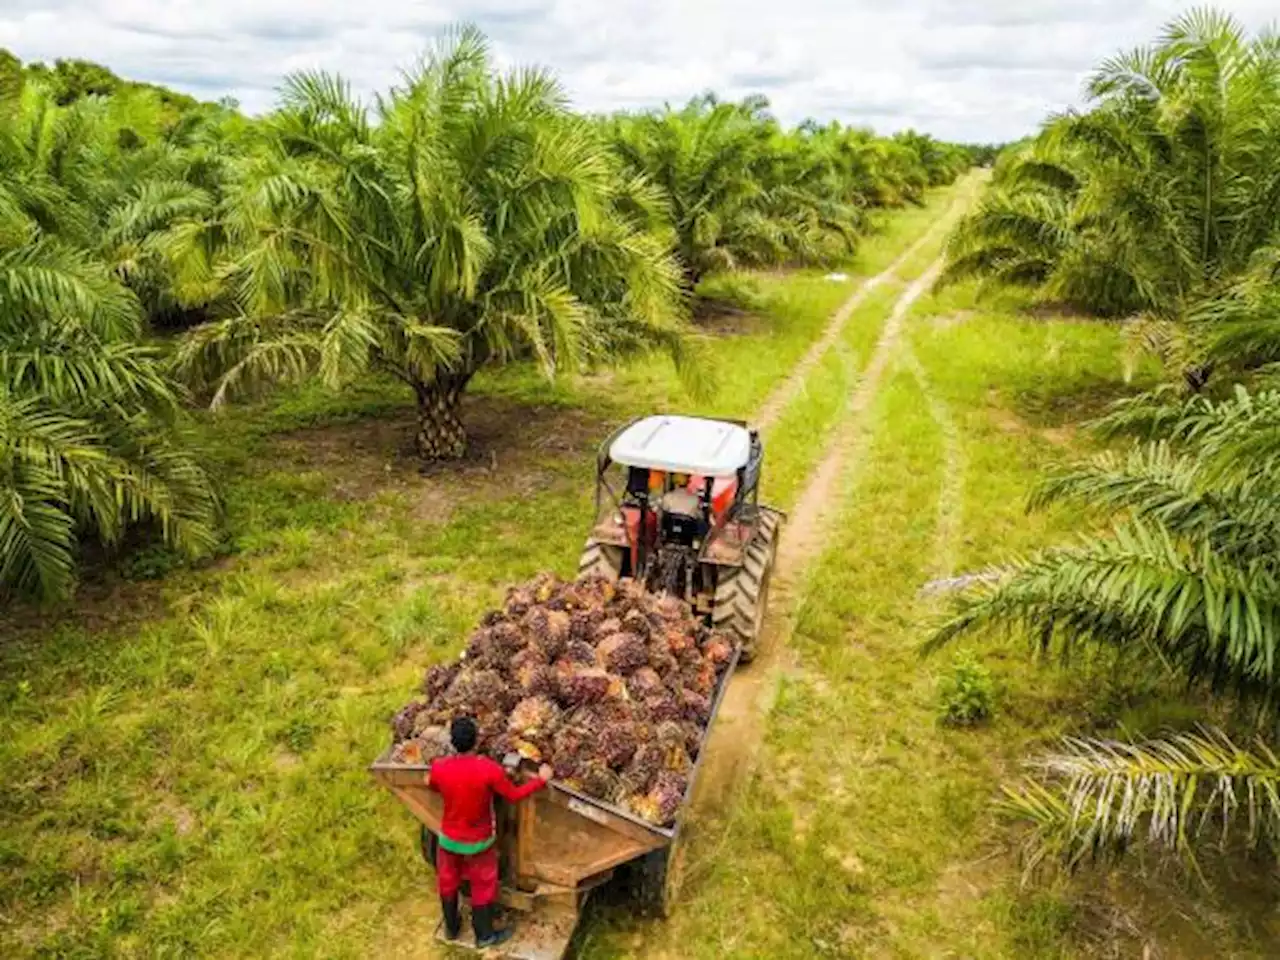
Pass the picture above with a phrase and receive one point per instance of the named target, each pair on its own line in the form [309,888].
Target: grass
[183,760]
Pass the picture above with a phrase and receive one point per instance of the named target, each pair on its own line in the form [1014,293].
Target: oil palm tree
[170,201]
[472,220]
[1160,202]
[740,191]
[1155,200]
[1188,574]
[90,427]
[89,437]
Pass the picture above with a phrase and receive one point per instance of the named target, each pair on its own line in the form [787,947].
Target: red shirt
[467,783]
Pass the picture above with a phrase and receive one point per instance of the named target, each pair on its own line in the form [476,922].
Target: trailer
[558,846]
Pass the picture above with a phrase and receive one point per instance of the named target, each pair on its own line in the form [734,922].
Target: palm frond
[1102,796]
[47,280]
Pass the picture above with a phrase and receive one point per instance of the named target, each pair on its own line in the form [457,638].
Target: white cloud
[962,69]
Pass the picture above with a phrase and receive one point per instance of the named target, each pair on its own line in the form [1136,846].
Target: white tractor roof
[709,448]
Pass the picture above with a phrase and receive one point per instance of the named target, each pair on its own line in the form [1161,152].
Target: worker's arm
[508,791]
[427,779]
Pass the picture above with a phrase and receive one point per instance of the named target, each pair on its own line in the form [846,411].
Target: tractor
[677,508]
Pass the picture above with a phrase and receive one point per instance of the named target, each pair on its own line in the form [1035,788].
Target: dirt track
[786,391]
[738,732]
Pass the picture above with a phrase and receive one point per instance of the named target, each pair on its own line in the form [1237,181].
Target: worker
[467,782]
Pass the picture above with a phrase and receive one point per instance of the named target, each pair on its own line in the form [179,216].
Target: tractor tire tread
[738,594]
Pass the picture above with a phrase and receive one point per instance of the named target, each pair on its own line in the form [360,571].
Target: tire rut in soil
[734,742]
[785,392]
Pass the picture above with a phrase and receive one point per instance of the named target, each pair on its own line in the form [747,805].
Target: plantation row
[468,218]
[1159,205]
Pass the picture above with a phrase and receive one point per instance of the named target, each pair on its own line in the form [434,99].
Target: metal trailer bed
[557,846]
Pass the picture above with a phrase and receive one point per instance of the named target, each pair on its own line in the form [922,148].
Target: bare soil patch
[368,455]
[103,603]
[509,446]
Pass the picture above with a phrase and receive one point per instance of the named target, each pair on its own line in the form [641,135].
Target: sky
[967,70]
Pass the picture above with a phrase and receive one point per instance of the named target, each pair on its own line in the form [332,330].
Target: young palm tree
[1189,573]
[1159,197]
[89,437]
[475,221]
[740,191]
[170,201]
[88,442]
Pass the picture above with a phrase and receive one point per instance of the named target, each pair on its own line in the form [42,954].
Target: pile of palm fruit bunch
[609,684]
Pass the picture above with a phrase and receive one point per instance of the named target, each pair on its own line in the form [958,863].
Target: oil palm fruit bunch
[609,684]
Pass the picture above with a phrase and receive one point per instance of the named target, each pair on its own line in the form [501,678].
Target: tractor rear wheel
[742,593]
[600,560]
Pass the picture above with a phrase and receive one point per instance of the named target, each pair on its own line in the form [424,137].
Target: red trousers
[479,869]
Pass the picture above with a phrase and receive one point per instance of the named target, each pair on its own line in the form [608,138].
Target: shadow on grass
[1050,403]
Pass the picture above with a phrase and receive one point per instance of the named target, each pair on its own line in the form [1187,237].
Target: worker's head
[463,733]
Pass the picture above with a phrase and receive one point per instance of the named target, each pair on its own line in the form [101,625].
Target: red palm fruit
[667,794]
[718,651]
[643,683]
[435,743]
[617,744]
[582,627]
[622,653]
[637,623]
[699,677]
[536,681]
[577,651]
[402,722]
[533,718]
[584,685]
[675,756]
[530,656]
[558,625]
[663,707]
[518,601]
[474,685]
[695,707]
[494,646]
[660,659]
[672,609]
[598,781]
[679,640]
[544,586]
[437,679]
[644,766]
[408,752]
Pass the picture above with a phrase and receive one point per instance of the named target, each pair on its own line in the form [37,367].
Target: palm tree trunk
[441,435]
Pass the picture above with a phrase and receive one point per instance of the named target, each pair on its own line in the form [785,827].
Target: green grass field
[183,759]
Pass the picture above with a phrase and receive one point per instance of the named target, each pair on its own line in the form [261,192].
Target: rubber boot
[486,936]
[452,916]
